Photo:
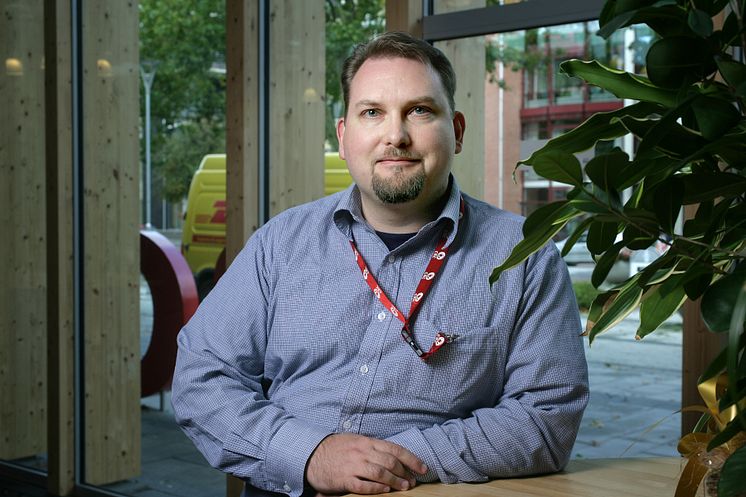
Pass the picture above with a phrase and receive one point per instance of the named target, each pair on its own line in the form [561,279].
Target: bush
[584,293]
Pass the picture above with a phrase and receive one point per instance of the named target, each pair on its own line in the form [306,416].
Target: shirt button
[347,425]
[381,316]
[364,369]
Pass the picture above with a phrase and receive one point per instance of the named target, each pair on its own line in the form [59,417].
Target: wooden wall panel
[23,367]
[111,241]
[61,399]
[467,57]
[242,123]
[296,108]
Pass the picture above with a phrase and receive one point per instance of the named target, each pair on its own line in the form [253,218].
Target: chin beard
[398,189]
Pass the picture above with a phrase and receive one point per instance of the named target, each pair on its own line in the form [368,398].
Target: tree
[187,39]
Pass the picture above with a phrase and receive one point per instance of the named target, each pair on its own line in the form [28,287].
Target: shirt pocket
[463,375]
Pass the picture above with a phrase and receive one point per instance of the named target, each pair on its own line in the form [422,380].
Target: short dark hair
[397,44]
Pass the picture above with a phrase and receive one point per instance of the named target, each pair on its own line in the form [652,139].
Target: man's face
[399,134]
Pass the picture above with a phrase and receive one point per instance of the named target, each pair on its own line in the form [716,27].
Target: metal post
[147,71]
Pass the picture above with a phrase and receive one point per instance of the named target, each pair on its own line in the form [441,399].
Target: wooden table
[653,477]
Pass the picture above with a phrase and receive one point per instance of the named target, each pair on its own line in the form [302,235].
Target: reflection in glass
[23,310]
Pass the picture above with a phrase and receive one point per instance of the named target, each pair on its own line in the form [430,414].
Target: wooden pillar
[404,15]
[111,266]
[23,320]
[242,123]
[467,57]
[297,80]
[295,146]
[59,167]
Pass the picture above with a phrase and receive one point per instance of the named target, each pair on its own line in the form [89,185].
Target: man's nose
[397,134]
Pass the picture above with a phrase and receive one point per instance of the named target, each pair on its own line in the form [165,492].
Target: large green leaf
[667,200]
[575,236]
[662,16]
[711,7]
[620,83]
[547,215]
[625,302]
[601,236]
[715,116]
[700,22]
[659,304]
[701,187]
[600,126]
[594,200]
[732,482]
[607,170]
[678,61]
[641,168]
[604,264]
[679,142]
[719,300]
[597,308]
[664,126]
[525,248]
[559,166]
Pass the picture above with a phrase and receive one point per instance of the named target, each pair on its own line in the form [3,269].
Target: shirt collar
[349,210]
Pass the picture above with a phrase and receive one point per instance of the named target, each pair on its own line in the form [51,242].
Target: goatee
[399,188]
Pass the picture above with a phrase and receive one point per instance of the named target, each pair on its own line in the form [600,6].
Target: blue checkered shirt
[292,346]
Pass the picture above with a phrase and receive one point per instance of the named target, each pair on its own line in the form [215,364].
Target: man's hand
[346,462]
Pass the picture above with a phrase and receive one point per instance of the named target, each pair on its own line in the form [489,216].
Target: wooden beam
[404,15]
[469,165]
[60,332]
[242,123]
[23,315]
[111,206]
[296,119]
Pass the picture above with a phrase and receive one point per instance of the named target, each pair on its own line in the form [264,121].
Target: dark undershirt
[393,240]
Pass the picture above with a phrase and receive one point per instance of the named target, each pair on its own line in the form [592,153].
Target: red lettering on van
[219,216]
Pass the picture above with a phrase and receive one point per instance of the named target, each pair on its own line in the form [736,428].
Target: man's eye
[420,110]
[370,113]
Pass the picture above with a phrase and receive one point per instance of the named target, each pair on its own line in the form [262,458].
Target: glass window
[526,100]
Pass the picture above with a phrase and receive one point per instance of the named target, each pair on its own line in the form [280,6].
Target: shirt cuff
[413,440]
[288,453]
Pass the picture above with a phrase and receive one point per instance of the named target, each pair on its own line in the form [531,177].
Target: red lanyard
[436,261]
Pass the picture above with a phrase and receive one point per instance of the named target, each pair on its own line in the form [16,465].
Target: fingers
[354,463]
[405,457]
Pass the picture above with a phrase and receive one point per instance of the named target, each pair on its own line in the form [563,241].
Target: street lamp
[147,71]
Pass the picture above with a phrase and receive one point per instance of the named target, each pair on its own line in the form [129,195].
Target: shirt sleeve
[533,427]
[218,394]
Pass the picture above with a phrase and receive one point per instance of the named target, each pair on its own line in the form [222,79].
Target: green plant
[691,151]
[585,292]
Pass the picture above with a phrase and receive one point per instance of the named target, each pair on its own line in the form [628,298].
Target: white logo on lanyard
[365,274]
[394,311]
[440,340]
[377,292]
[439,255]
[428,276]
[417,297]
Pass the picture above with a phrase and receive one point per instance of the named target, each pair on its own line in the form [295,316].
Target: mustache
[395,153]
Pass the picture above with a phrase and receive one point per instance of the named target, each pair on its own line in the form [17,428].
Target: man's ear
[459,126]
[341,137]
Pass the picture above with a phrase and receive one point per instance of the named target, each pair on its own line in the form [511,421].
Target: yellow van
[203,235]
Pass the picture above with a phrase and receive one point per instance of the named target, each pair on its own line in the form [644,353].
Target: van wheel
[204,284]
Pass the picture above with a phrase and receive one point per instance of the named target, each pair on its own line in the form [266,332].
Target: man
[309,368]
